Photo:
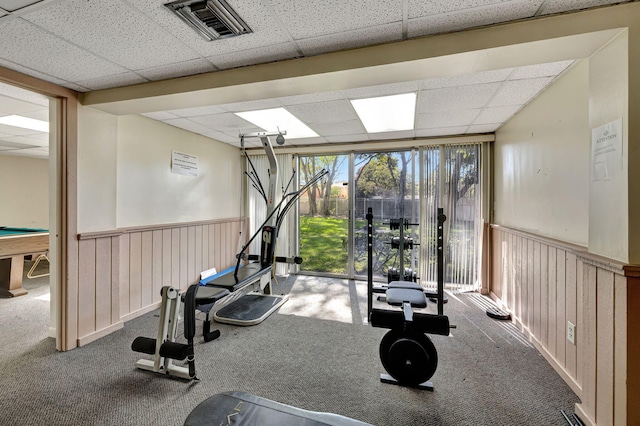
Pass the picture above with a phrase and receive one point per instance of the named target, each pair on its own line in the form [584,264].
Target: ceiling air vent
[212,18]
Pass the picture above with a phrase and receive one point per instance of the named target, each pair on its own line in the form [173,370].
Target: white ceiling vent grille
[212,18]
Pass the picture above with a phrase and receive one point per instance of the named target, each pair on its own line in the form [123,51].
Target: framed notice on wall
[184,164]
[606,151]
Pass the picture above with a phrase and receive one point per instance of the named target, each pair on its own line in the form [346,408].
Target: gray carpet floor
[315,353]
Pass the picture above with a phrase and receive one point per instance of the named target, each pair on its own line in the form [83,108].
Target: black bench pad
[424,323]
[405,284]
[398,296]
[240,408]
[207,295]
[246,275]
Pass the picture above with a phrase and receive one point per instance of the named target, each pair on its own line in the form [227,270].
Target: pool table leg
[11,270]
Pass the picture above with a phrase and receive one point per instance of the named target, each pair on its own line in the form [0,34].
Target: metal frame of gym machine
[406,352]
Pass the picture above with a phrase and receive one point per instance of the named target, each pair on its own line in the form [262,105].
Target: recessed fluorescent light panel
[387,113]
[278,119]
[25,123]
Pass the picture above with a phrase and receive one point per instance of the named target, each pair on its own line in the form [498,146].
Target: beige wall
[24,192]
[541,180]
[97,168]
[609,199]
[125,179]
[149,194]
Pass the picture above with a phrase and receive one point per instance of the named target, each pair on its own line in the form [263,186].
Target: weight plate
[409,357]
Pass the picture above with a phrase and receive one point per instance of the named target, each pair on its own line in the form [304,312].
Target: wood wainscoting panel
[546,284]
[121,272]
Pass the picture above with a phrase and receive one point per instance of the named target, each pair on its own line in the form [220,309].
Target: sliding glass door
[324,215]
[403,186]
[387,183]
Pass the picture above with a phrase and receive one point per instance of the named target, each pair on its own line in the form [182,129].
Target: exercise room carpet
[315,353]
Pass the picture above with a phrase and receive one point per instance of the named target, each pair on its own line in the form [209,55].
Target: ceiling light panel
[25,123]
[387,113]
[278,119]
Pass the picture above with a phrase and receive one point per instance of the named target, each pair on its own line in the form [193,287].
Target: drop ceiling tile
[196,66]
[471,18]
[557,6]
[225,122]
[221,137]
[14,5]
[456,98]
[251,105]
[10,105]
[312,19]
[253,56]
[187,124]
[266,29]
[435,120]
[552,69]
[496,114]
[484,128]
[466,79]
[519,92]
[15,131]
[436,7]
[24,95]
[383,90]
[194,112]
[351,127]
[41,114]
[351,39]
[312,97]
[324,112]
[160,115]
[360,137]
[41,54]
[116,80]
[440,131]
[127,36]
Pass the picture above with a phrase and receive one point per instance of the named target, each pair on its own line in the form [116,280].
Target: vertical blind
[451,180]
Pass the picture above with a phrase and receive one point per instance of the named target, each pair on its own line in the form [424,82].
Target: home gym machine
[401,243]
[164,347]
[406,352]
[251,299]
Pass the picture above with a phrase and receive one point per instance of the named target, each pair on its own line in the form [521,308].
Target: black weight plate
[499,314]
[410,358]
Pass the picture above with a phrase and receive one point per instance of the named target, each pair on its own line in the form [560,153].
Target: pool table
[15,244]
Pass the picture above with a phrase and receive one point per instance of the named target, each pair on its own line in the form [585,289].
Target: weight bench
[405,351]
[241,408]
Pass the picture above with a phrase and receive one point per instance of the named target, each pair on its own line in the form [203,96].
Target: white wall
[24,192]
[97,170]
[609,199]
[541,179]
[148,193]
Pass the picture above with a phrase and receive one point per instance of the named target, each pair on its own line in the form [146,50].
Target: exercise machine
[164,347]
[406,352]
[401,243]
[241,408]
[250,299]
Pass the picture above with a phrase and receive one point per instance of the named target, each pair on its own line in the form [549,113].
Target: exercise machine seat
[399,296]
[405,284]
[241,408]
[208,295]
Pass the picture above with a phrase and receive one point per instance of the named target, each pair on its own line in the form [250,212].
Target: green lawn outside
[323,244]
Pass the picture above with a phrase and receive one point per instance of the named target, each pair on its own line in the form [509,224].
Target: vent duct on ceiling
[213,19]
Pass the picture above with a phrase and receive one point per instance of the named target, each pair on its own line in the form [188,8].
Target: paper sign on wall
[606,151]
[184,164]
